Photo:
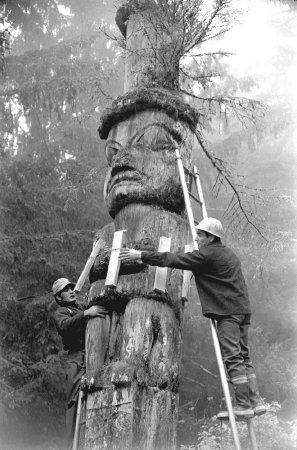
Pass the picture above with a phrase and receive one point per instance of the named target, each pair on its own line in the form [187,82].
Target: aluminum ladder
[80,420]
[224,382]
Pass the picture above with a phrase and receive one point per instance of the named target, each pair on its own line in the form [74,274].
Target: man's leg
[229,335]
[254,395]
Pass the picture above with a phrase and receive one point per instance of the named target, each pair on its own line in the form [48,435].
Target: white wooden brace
[114,262]
[187,274]
[88,265]
[161,272]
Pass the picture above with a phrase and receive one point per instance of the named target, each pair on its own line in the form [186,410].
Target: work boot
[257,402]
[239,412]
[243,408]
[223,414]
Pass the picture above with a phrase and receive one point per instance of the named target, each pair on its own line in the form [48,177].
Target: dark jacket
[219,279]
[71,325]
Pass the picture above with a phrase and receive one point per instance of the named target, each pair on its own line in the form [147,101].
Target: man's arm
[66,322]
[184,261]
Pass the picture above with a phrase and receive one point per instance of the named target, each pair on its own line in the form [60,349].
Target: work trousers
[75,369]
[233,338]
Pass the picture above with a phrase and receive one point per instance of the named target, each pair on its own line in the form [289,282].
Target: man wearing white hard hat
[71,320]
[224,297]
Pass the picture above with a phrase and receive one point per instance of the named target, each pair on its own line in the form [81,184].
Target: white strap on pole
[212,322]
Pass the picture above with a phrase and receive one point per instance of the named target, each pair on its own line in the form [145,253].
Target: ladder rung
[195,198]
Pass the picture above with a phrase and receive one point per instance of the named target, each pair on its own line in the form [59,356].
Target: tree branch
[237,206]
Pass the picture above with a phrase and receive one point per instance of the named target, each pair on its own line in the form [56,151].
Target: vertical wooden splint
[187,275]
[114,262]
[161,272]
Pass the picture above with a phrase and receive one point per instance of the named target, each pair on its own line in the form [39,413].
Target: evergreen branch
[199,76]
[239,210]
[213,54]
[244,109]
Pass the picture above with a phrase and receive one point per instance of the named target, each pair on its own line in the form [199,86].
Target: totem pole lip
[121,168]
[170,102]
[120,174]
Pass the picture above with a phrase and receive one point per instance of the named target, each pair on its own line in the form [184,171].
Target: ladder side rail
[212,323]
[252,434]
[186,196]
[77,420]
[224,383]
[200,192]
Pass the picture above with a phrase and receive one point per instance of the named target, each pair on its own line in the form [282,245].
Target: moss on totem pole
[143,99]
[116,300]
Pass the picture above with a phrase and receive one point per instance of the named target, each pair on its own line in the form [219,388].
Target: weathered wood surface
[138,385]
[143,168]
[136,405]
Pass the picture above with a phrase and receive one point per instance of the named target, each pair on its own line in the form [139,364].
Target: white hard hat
[212,226]
[60,284]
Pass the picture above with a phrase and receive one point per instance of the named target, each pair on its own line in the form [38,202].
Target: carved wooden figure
[133,354]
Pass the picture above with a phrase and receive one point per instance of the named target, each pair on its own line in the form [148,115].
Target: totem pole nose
[123,158]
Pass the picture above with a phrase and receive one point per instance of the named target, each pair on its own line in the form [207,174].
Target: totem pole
[133,354]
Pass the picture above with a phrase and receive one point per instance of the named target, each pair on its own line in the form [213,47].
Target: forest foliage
[57,78]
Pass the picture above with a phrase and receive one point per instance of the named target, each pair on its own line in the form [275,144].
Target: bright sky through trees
[264,48]
[257,40]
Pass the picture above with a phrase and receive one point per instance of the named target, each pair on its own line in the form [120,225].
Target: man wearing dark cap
[71,320]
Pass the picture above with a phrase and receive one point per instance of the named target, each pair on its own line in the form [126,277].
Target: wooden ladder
[200,200]
[80,420]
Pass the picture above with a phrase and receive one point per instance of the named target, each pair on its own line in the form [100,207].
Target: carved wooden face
[141,156]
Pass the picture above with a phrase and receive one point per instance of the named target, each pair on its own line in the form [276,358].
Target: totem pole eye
[156,137]
[111,150]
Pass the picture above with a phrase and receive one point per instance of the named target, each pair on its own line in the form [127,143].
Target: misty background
[59,71]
